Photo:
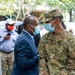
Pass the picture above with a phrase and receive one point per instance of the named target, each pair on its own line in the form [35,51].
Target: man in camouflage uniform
[56,48]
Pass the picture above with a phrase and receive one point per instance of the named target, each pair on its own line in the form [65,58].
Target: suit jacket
[26,57]
[36,37]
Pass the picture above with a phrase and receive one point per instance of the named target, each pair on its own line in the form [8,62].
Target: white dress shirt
[7,45]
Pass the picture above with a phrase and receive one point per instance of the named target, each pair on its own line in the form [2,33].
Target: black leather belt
[6,52]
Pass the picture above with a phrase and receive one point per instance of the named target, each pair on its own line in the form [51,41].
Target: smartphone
[9,34]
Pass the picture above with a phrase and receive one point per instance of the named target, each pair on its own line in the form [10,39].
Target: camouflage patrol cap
[52,14]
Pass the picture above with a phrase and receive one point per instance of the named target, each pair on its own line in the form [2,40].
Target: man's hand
[6,37]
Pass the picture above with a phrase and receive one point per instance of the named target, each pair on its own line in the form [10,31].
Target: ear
[28,25]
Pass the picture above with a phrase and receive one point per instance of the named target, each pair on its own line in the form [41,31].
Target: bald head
[29,24]
[30,20]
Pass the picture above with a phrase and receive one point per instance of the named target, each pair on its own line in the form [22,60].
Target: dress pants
[7,62]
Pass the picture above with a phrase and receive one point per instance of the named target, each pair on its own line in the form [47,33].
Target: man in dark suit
[36,37]
[26,57]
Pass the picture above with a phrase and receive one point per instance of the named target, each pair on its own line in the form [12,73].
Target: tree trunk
[70,14]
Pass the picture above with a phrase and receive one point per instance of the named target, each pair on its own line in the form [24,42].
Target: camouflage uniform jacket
[57,54]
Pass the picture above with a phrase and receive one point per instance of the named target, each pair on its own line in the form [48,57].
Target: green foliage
[52,2]
[40,2]
[65,5]
[70,4]
[8,7]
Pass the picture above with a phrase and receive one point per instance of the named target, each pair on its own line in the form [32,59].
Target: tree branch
[65,4]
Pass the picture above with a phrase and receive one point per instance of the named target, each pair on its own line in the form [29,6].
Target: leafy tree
[27,6]
[65,5]
[6,7]
[22,7]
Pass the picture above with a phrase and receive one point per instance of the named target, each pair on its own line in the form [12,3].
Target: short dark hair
[28,20]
